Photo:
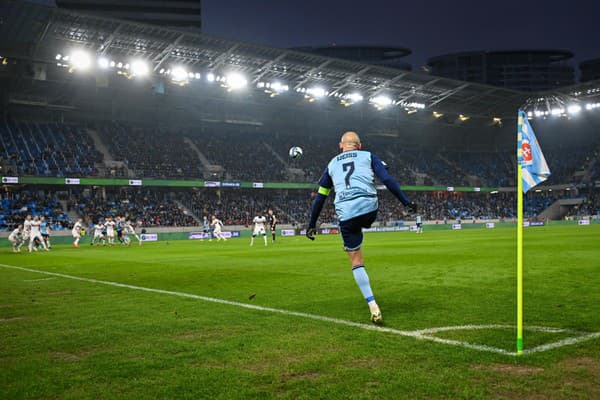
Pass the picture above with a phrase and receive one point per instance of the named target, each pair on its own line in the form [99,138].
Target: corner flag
[533,164]
[532,170]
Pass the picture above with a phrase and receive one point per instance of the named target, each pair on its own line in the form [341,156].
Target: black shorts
[273,227]
[351,230]
[45,235]
[119,233]
[418,224]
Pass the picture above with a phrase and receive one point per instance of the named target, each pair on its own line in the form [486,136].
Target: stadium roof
[37,33]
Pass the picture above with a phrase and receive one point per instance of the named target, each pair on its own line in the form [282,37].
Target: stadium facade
[524,70]
[171,13]
[387,56]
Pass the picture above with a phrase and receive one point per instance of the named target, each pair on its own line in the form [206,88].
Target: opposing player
[27,228]
[352,175]
[98,234]
[16,238]
[217,225]
[130,230]
[272,220]
[35,234]
[259,228]
[45,230]
[109,224]
[76,232]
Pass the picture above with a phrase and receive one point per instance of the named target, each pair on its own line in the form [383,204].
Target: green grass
[67,339]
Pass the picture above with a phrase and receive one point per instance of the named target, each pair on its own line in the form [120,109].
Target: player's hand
[412,207]
[310,233]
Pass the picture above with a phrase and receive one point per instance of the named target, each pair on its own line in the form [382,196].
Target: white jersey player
[36,234]
[27,228]
[17,239]
[76,232]
[217,225]
[98,236]
[259,228]
[130,230]
[110,230]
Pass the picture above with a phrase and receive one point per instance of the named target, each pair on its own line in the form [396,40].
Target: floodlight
[210,77]
[103,62]
[381,101]
[574,109]
[139,68]
[355,97]
[236,80]
[178,74]
[197,75]
[316,92]
[80,60]
[437,115]
[58,56]
[279,87]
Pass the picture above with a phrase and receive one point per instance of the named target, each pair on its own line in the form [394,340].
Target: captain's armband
[324,191]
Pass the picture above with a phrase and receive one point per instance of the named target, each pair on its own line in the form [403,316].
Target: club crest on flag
[526,153]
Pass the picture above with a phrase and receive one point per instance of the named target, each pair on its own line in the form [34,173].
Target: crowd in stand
[147,208]
[16,205]
[186,207]
[53,149]
[47,149]
[150,152]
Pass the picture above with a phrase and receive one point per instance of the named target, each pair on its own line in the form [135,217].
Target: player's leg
[252,239]
[273,234]
[353,237]
[14,245]
[264,234]
[43,243]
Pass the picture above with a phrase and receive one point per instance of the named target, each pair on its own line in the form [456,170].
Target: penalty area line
[424,334]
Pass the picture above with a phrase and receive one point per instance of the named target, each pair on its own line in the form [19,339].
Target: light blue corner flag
[534,168]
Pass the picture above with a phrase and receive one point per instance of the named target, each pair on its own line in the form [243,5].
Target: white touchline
[38,280]
[423,334]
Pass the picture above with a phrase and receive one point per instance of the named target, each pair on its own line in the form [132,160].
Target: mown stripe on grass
[418,334]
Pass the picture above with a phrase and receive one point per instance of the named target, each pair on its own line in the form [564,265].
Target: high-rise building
[171,13]
[527,70]
[590,70]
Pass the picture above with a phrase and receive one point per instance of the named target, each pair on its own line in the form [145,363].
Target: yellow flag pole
[519,258]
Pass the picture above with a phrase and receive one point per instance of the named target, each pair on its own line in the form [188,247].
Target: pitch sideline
[423,334]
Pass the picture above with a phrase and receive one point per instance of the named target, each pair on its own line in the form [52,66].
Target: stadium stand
[15,206]
[151,152]
[149,208]
[47,149]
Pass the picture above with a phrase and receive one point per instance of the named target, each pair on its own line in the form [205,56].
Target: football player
[352,175]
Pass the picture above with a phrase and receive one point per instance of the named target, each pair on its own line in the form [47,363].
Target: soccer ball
[296,152]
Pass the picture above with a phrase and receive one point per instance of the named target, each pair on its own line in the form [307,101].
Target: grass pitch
[62,338]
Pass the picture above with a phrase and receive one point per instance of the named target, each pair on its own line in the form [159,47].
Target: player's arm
[380,169]
[325,185]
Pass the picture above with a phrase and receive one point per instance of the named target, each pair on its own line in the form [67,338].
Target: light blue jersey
[353,179]
[418,219]
[44,228]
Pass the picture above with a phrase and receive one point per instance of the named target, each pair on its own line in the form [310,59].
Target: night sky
[429,28]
